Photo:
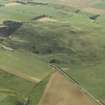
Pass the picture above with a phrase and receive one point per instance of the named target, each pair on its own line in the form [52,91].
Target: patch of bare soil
[60,91]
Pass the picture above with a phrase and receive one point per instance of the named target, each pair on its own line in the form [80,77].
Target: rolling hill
[39,33]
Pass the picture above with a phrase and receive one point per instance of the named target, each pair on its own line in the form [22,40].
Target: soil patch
[60,91]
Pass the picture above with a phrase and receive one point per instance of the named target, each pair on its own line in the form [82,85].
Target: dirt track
[60,91]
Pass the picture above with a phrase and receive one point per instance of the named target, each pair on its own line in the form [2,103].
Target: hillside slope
[35,34]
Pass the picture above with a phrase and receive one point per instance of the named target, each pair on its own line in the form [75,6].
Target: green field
[23,62]
[50,33]
[100,5]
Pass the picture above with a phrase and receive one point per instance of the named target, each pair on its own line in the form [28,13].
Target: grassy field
[9,100]
[65,36]
[91,78]
[10,92]
[24,62]
[100,5]
[37,91]
[9,81]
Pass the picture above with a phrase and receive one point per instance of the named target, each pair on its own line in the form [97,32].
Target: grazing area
[36,34]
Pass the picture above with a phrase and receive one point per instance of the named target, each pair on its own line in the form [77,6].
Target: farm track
[22,75]
[60,91]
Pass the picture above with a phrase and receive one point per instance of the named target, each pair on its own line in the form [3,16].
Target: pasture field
[9,82]
[100,5]
[13,89]
[9,100]
[90,77]
[43,32]
[36,94]
[92,6]
[23,62]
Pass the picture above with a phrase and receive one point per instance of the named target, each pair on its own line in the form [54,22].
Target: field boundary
[22,75]
[76,83]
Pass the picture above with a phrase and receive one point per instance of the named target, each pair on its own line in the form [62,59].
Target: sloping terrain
[37,91]
[19,82]
[91,6]
[34,34]
[23,63]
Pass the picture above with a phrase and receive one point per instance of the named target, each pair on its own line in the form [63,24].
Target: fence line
[76,82]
